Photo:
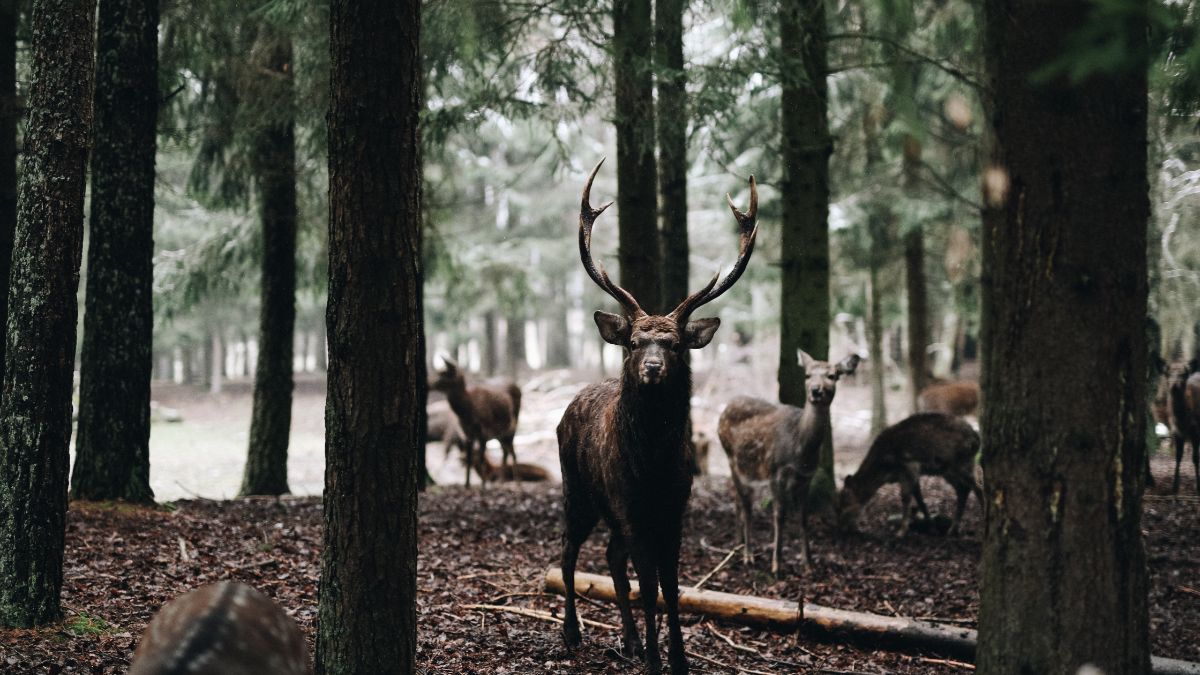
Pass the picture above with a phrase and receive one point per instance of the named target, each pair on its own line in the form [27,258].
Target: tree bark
[918,312]
[558,343]
[637,174]
[112,457]
[35,426]
[514,340]
[804,251]
[9,116]
[878,219]
[490,351]
[275,171]
[216,379]
[672,121]
[375,406]
[1063,574]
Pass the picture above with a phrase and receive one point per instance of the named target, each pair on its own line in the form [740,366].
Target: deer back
[952,398]
[755,433]
[221,629]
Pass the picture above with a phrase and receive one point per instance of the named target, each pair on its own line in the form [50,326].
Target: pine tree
[35,425]
[112,459]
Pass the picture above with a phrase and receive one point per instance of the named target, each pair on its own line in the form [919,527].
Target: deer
[928,443]
[623,445]
[1183,414]
[959,398]
[443,426]
[485,411]
[519,471]
[225,628]
[780,445]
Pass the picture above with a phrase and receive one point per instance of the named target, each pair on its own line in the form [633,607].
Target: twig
[729,641]
[947,662]
[890,608]
[718,568]
[506,596]
[736,669]
[476,575]
[1187,589]
[535,614]
[183,554]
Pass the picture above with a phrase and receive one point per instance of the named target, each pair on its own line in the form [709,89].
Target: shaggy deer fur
[485,411]
[221,629]
[780,445]
[931,444]
[623,448]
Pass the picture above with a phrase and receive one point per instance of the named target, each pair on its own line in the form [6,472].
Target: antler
[587,218]
[748,230]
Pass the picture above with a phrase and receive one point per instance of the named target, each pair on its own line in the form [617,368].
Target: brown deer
[1183,414]
[953,398]
[781,445]
[221,629]
[520,471]
[485,411]
[931,444]
[443,426]
[623,447]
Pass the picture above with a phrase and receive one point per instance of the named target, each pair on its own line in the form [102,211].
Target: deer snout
[652,369]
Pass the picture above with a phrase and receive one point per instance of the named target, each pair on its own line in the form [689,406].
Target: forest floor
[493,546]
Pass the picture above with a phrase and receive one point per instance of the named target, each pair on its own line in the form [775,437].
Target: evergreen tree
[1063,579]
[375,407]
[9,116]
[672,119]
[112,459]
[35,422]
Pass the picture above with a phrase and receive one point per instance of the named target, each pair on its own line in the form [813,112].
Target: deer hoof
[571,636]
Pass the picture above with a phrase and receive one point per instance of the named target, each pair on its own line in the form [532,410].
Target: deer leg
[469,449]
[962,489]
[1179,443]
[742,498]
[647,570]
[618,561]
[506,444]
[1196,461]
[905,504]
[779,518]
[914,475]
[668,569]
[578,526]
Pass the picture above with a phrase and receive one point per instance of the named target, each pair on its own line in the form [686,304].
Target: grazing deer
[443,427]
[623,446]
[931,444]
[780,445]
[520,471]
[221,629]
[952,398]
[485,411]
[1183,414]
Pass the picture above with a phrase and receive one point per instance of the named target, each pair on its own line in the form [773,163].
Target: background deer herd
[628,454]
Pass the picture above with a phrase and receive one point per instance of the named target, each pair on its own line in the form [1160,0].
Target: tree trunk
[275,171]
[112,458]
[558,343]
[878,218]
[216,379]
[186,376]
[375,408]
[637,175]
[672,120]
[514,340]
[491,340]
[35,426]
[1063,573]
[918,312]
[804,251]
[322,360]
[9,116]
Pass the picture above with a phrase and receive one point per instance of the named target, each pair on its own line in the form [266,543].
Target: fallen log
[743,609]
[787,616]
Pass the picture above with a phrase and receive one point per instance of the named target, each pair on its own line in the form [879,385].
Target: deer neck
[813,425]
[460,402]
[655,417]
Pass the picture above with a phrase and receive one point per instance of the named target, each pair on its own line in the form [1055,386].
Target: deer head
[449,377]
[820,378]
[655,344]
[1179,372]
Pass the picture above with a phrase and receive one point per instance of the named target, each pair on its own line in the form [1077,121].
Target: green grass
[83,624]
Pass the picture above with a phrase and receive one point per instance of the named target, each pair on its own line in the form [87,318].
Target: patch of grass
[84,624]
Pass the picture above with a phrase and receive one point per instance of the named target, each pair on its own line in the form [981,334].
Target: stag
[1183,414]
[623,447]
[485,411]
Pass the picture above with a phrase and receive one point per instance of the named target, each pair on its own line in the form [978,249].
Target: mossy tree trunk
[375,407]
[1063,574]
[672,120]
[9,116]
[804,251]
[637,173]
[275,172]
[112,458]
[35,425]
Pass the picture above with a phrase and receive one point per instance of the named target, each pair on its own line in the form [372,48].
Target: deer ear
[613,328]
[1194,365]
[804,358]
[848,365]
[698,333]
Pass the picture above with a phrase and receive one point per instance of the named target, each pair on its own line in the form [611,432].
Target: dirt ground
[493,546]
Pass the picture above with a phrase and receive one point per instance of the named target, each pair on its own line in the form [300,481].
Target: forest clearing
[361,337]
